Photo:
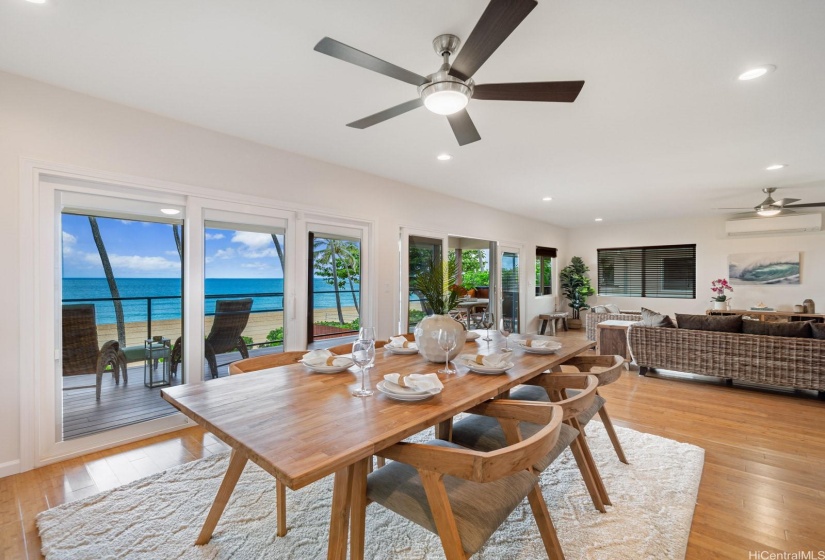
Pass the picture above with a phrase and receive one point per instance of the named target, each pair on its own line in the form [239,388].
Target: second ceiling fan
[448,90]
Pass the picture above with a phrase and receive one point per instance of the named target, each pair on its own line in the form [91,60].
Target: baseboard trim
[9,468]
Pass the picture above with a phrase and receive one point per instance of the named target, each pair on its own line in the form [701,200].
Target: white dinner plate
[401,350]
[472,335]
[402,393]
[328,369]
[539,349]
[479,368]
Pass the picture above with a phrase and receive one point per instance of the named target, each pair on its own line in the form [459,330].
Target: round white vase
[721,305]
[426,332]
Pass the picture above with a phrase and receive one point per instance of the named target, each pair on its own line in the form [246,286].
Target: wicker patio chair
[81,353]
[231,316]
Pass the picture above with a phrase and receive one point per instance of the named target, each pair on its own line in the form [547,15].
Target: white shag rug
[160,516]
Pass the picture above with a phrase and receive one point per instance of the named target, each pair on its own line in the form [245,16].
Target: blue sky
[147,250]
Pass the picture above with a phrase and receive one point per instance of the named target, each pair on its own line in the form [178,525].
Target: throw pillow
[612,308]
[653,319]
[599,309]
[792,329]
[730,323]
[818,330]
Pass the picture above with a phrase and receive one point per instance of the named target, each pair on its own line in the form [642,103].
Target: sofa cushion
[793,329]
[818,330]
[611,308]
[598,309]
[730,323]
[653,319]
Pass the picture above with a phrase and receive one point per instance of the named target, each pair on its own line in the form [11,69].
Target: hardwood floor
[762,489]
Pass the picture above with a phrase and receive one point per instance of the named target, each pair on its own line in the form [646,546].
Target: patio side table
[158,357]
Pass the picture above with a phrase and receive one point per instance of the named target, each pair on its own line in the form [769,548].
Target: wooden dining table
[301,426]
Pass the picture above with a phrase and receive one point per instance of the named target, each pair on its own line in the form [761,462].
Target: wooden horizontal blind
[663,271]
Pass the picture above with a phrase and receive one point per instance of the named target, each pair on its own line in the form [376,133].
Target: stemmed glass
[366,333]
[363,353]
[447,341]
[487,321]
[504,329]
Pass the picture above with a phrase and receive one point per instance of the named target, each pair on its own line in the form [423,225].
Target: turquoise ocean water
[166,292]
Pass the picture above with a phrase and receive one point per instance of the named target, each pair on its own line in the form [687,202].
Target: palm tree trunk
[335,283]
[176,232]
[110,278]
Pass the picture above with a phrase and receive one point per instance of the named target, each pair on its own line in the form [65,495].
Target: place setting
[324,361]
[489,364]
[411,387]
[400,345]
[539,345]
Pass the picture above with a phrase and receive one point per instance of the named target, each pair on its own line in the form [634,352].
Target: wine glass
[366,333]
[447,341]
[363,353]
[487,321]
[504,329]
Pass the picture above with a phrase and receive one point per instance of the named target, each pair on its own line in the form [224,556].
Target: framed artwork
[764,268]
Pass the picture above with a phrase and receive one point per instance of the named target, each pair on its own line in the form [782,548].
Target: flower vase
[426,332]
[720,305]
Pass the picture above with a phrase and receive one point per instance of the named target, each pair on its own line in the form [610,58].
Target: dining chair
[465,495]
[487,434]
[346,348]
[82,352]
[608,369]
[255,364]
[265,362]
[231,317]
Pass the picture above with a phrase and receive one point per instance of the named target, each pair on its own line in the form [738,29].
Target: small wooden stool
[552,318]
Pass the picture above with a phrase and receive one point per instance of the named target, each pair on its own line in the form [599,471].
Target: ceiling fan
[448,90]
[770,207]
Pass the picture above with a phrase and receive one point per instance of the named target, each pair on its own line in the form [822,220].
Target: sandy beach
[257,328]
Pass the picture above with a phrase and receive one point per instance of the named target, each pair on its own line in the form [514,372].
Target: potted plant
[575,287]
[434,285]
[720,299]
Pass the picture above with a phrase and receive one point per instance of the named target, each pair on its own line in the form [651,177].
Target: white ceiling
[661,129]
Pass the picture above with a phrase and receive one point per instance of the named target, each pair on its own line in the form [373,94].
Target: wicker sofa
[592,319]
[771,360]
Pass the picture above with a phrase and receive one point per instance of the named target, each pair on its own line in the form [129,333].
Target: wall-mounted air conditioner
[796,223]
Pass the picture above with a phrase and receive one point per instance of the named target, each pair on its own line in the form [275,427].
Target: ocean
[165,294]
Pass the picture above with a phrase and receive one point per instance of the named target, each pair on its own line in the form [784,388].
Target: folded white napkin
[325,358]
[419,382]
[535,343]
[491,360]
[401,342]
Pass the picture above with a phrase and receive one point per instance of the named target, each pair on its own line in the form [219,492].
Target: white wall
[712,250]
[46,123]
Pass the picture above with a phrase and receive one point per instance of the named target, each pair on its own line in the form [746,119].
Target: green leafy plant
[575,285]
[353,325]
[247,340]
[275,337]
[433,283]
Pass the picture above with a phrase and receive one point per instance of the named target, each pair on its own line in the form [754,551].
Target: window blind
[663,271]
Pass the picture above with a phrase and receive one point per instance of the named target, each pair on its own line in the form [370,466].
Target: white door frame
[402,319]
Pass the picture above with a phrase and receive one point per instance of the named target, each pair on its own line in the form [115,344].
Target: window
[665,271]
[544,270]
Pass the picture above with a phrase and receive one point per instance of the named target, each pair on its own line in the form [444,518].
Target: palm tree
[110,279]
[338,262]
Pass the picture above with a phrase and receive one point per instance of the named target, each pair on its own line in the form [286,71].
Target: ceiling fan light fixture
[445,98]
[768,212]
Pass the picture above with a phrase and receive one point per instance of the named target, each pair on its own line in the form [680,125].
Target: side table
[158,356]
[611,338]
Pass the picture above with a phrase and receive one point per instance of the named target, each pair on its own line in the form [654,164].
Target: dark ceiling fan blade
[352,55]
[499,19]
[463,127]
[808,205]
[564,92]
[386,114]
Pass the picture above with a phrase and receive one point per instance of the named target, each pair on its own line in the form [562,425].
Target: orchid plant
[719,287]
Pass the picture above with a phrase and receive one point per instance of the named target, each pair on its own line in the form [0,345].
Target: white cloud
[255,265]
[134,262]
[210,236]
[171,253]
[253,240]
[68,238]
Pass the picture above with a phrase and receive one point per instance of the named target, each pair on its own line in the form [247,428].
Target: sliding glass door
[509,288]
[334,287]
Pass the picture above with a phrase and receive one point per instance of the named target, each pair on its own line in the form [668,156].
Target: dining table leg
[444,430]
[339,516]
[359,509]
[237,461]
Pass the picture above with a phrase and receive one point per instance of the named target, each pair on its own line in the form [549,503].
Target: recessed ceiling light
[598,219]
[37,1]
[777,166]
[444,157]
[757,72]
[547,198]
[170,211]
